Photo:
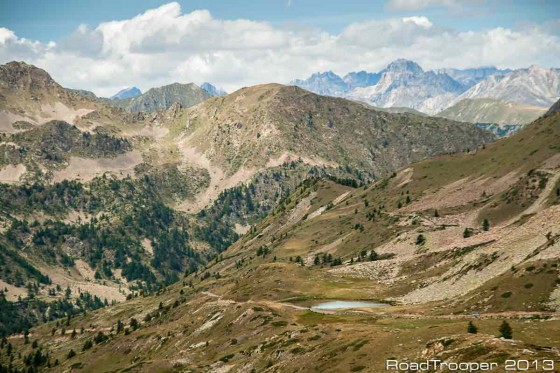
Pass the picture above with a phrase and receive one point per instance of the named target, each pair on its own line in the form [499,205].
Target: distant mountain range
[405,84]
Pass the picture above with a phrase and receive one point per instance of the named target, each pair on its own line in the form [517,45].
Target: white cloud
[420,21]
[6,35]
[163,45]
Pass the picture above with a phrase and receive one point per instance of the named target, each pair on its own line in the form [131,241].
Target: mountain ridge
[404,83]
[161,98]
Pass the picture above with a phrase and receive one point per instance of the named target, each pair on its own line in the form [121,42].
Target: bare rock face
[173,110]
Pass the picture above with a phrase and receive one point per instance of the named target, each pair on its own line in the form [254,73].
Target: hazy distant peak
[128,92]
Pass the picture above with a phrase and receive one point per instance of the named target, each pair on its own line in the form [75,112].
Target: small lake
[339,304]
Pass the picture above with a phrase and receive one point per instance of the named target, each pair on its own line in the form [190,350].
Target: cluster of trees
[505,329]
[347,181]
[136,212]
[54,141]
[263,251]
[326,259]
[469,232]
[363,256]
[17,317]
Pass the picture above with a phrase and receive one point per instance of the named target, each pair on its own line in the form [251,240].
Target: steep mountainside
[534,86]
[457,238]
[30,97]
[487,110]
[162,98]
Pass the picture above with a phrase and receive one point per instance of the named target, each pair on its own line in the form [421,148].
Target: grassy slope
[255,125]
[249,328]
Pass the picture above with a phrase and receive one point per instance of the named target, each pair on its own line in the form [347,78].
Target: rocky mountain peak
[128,92]
[174,110]
[21,76]
[404,66]
[325,83]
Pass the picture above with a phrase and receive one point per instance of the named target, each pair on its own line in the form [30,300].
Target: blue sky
[106,45]
[49,20]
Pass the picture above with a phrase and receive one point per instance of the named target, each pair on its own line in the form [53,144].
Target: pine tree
[134,323]
[505,330]
[87,345]
[485,225]
[471,328]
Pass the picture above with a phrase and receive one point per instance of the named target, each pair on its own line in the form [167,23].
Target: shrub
[471,328]
[87,345]
[505,330]
[507,294]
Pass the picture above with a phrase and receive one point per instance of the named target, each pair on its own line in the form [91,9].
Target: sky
[106,45]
